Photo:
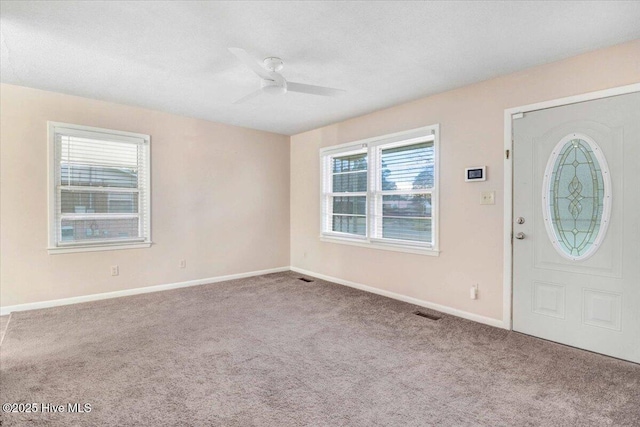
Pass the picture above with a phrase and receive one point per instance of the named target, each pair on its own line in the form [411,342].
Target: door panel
[591,303]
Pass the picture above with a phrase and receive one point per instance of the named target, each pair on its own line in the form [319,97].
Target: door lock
[520,236]
[520,220]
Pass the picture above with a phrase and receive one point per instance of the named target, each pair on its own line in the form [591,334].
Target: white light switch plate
[488,198]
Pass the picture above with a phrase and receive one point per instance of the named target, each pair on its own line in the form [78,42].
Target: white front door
[576,210]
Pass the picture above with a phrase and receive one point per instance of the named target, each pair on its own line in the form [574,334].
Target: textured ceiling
[173,56]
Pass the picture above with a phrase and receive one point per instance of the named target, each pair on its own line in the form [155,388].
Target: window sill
[96,248]
[380,245]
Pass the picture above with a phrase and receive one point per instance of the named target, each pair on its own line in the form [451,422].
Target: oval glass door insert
[576,197]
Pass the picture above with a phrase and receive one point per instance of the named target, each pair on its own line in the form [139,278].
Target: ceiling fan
[273,82]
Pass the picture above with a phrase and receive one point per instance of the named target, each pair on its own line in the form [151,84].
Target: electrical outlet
[474,292]
[183,263]
[115,270]
[488,198]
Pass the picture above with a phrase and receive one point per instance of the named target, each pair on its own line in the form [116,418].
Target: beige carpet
[276,351]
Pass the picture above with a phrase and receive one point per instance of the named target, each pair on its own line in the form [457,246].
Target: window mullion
[348,194]
[328,207]
[141,201]
[406,192]
[58,204]
[372,197]
[89,189]
[348,172]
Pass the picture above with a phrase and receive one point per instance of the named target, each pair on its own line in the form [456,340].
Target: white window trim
[370,146]
[56,247]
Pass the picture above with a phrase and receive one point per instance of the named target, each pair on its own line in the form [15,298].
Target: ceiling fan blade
[248,97]
[250,62]
[314,90]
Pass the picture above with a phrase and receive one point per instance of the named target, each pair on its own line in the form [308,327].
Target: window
[349,194]
[98,189]
[382,192]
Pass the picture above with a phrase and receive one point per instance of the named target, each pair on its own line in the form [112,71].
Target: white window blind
[100,187]
[383,191]
[403,194]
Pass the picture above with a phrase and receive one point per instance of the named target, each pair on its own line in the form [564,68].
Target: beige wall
[471,236]
[219,199]
[225,198]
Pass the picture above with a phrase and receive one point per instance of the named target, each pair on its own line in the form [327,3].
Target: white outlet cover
[488,198]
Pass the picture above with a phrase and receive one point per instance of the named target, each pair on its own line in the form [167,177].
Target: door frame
[509,115]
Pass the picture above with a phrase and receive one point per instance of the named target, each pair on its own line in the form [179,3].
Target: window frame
[373,147]
[55,245]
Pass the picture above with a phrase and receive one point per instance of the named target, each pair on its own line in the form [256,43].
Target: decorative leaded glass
[574,197]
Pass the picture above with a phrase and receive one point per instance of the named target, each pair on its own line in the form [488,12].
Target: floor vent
[426,315]
[304,279]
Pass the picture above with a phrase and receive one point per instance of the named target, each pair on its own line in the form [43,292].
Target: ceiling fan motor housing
[273,63]
[276,86]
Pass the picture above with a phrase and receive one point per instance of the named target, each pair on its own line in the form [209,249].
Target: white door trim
[507,302]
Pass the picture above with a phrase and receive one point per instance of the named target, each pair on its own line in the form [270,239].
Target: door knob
[520,236]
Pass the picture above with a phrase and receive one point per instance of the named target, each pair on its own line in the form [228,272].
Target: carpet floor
[276,351]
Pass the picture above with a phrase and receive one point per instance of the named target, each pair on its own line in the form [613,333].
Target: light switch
[488,198]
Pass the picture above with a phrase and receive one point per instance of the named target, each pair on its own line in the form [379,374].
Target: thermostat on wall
[476,173]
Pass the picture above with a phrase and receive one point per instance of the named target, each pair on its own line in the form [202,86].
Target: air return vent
[426,315]
[304,279]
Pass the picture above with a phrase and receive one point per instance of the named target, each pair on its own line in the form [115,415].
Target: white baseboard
[126,292]
[442,308]
[135,291]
